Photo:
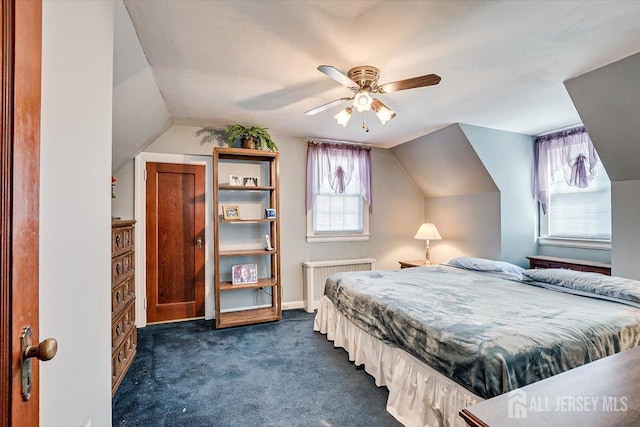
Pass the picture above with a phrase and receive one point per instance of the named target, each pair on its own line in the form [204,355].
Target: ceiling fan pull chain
[365,124]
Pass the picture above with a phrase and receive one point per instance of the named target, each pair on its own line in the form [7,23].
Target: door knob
[46,350]
[199,242]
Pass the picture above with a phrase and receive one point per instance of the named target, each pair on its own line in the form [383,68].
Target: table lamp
[427,231]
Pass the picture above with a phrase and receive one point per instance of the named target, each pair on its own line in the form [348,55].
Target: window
[338,192]
[579,213]
[573,189]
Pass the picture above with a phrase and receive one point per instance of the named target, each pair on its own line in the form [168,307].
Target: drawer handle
[118,268]
[118,296]
[118,240]
[118,330]
[120,356]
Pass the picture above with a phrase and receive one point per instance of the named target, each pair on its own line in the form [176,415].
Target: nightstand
[414,263]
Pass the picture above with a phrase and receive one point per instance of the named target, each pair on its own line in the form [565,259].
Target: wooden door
[20,41]
[175,241]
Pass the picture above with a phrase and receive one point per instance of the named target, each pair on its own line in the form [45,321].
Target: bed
[442,338]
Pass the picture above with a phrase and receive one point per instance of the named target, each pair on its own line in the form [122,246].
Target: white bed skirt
[418,395]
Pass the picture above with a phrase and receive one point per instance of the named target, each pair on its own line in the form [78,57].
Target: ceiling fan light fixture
[382,111]
[363,81]
[384,114]
[362,101]
[343,116]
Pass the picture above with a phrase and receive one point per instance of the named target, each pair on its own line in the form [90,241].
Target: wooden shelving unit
[270,191]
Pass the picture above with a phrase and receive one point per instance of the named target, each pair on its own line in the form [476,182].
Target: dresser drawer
[121,266]
[122,357]
[131,342]
[122,240]
[121,294]
[123,324]
[118,360]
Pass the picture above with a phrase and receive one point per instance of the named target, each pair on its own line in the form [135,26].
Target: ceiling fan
[363,81]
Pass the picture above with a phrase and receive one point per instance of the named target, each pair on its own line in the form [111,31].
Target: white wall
[397,213]
[444,163]
[75,272]
[608,101]
[600,255]
[625,205]
[469,225]
[139,112]
[478,188]
[122,205]
[508,158]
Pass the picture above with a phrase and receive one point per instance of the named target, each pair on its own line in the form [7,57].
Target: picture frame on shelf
[231,213]
[235,180]
[244,273]
[250,181]
[270,213]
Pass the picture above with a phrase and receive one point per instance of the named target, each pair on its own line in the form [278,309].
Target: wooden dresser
[541,261]
[123,296]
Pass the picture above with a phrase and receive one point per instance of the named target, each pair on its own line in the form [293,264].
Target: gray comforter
[488,334]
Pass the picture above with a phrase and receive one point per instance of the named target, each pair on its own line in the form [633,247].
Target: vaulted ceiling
[502,63]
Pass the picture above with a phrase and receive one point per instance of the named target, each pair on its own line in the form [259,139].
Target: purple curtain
[573,152]
[334,164]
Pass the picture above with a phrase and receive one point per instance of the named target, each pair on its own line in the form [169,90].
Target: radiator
[315,274]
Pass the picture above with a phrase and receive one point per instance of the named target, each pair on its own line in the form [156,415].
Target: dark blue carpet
[275,374]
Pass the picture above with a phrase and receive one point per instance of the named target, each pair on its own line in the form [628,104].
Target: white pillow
[487,265]
[593,283]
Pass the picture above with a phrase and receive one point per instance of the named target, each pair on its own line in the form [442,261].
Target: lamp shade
[428,231]
[362,101]
[343,116]
[382,111]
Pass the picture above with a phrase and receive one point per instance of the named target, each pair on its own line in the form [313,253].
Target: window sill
[320,238]
[575,243]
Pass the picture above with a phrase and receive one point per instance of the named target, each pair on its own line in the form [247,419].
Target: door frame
[140,189]
[20,87]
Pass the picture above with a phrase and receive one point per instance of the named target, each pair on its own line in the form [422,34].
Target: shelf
[247,317]
[262,283]
[246,188]
[243,252]
[245,154]
[245,221]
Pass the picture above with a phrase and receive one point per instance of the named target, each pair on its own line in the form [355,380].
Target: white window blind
[580,213]
[339,213]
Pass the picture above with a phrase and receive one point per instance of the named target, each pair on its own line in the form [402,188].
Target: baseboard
[249,307]
[294,305]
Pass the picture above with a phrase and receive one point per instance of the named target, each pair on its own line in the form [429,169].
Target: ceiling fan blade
[338,76]
[326,106]
[428,80]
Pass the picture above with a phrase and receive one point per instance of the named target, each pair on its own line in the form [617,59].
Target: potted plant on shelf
[252,137]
